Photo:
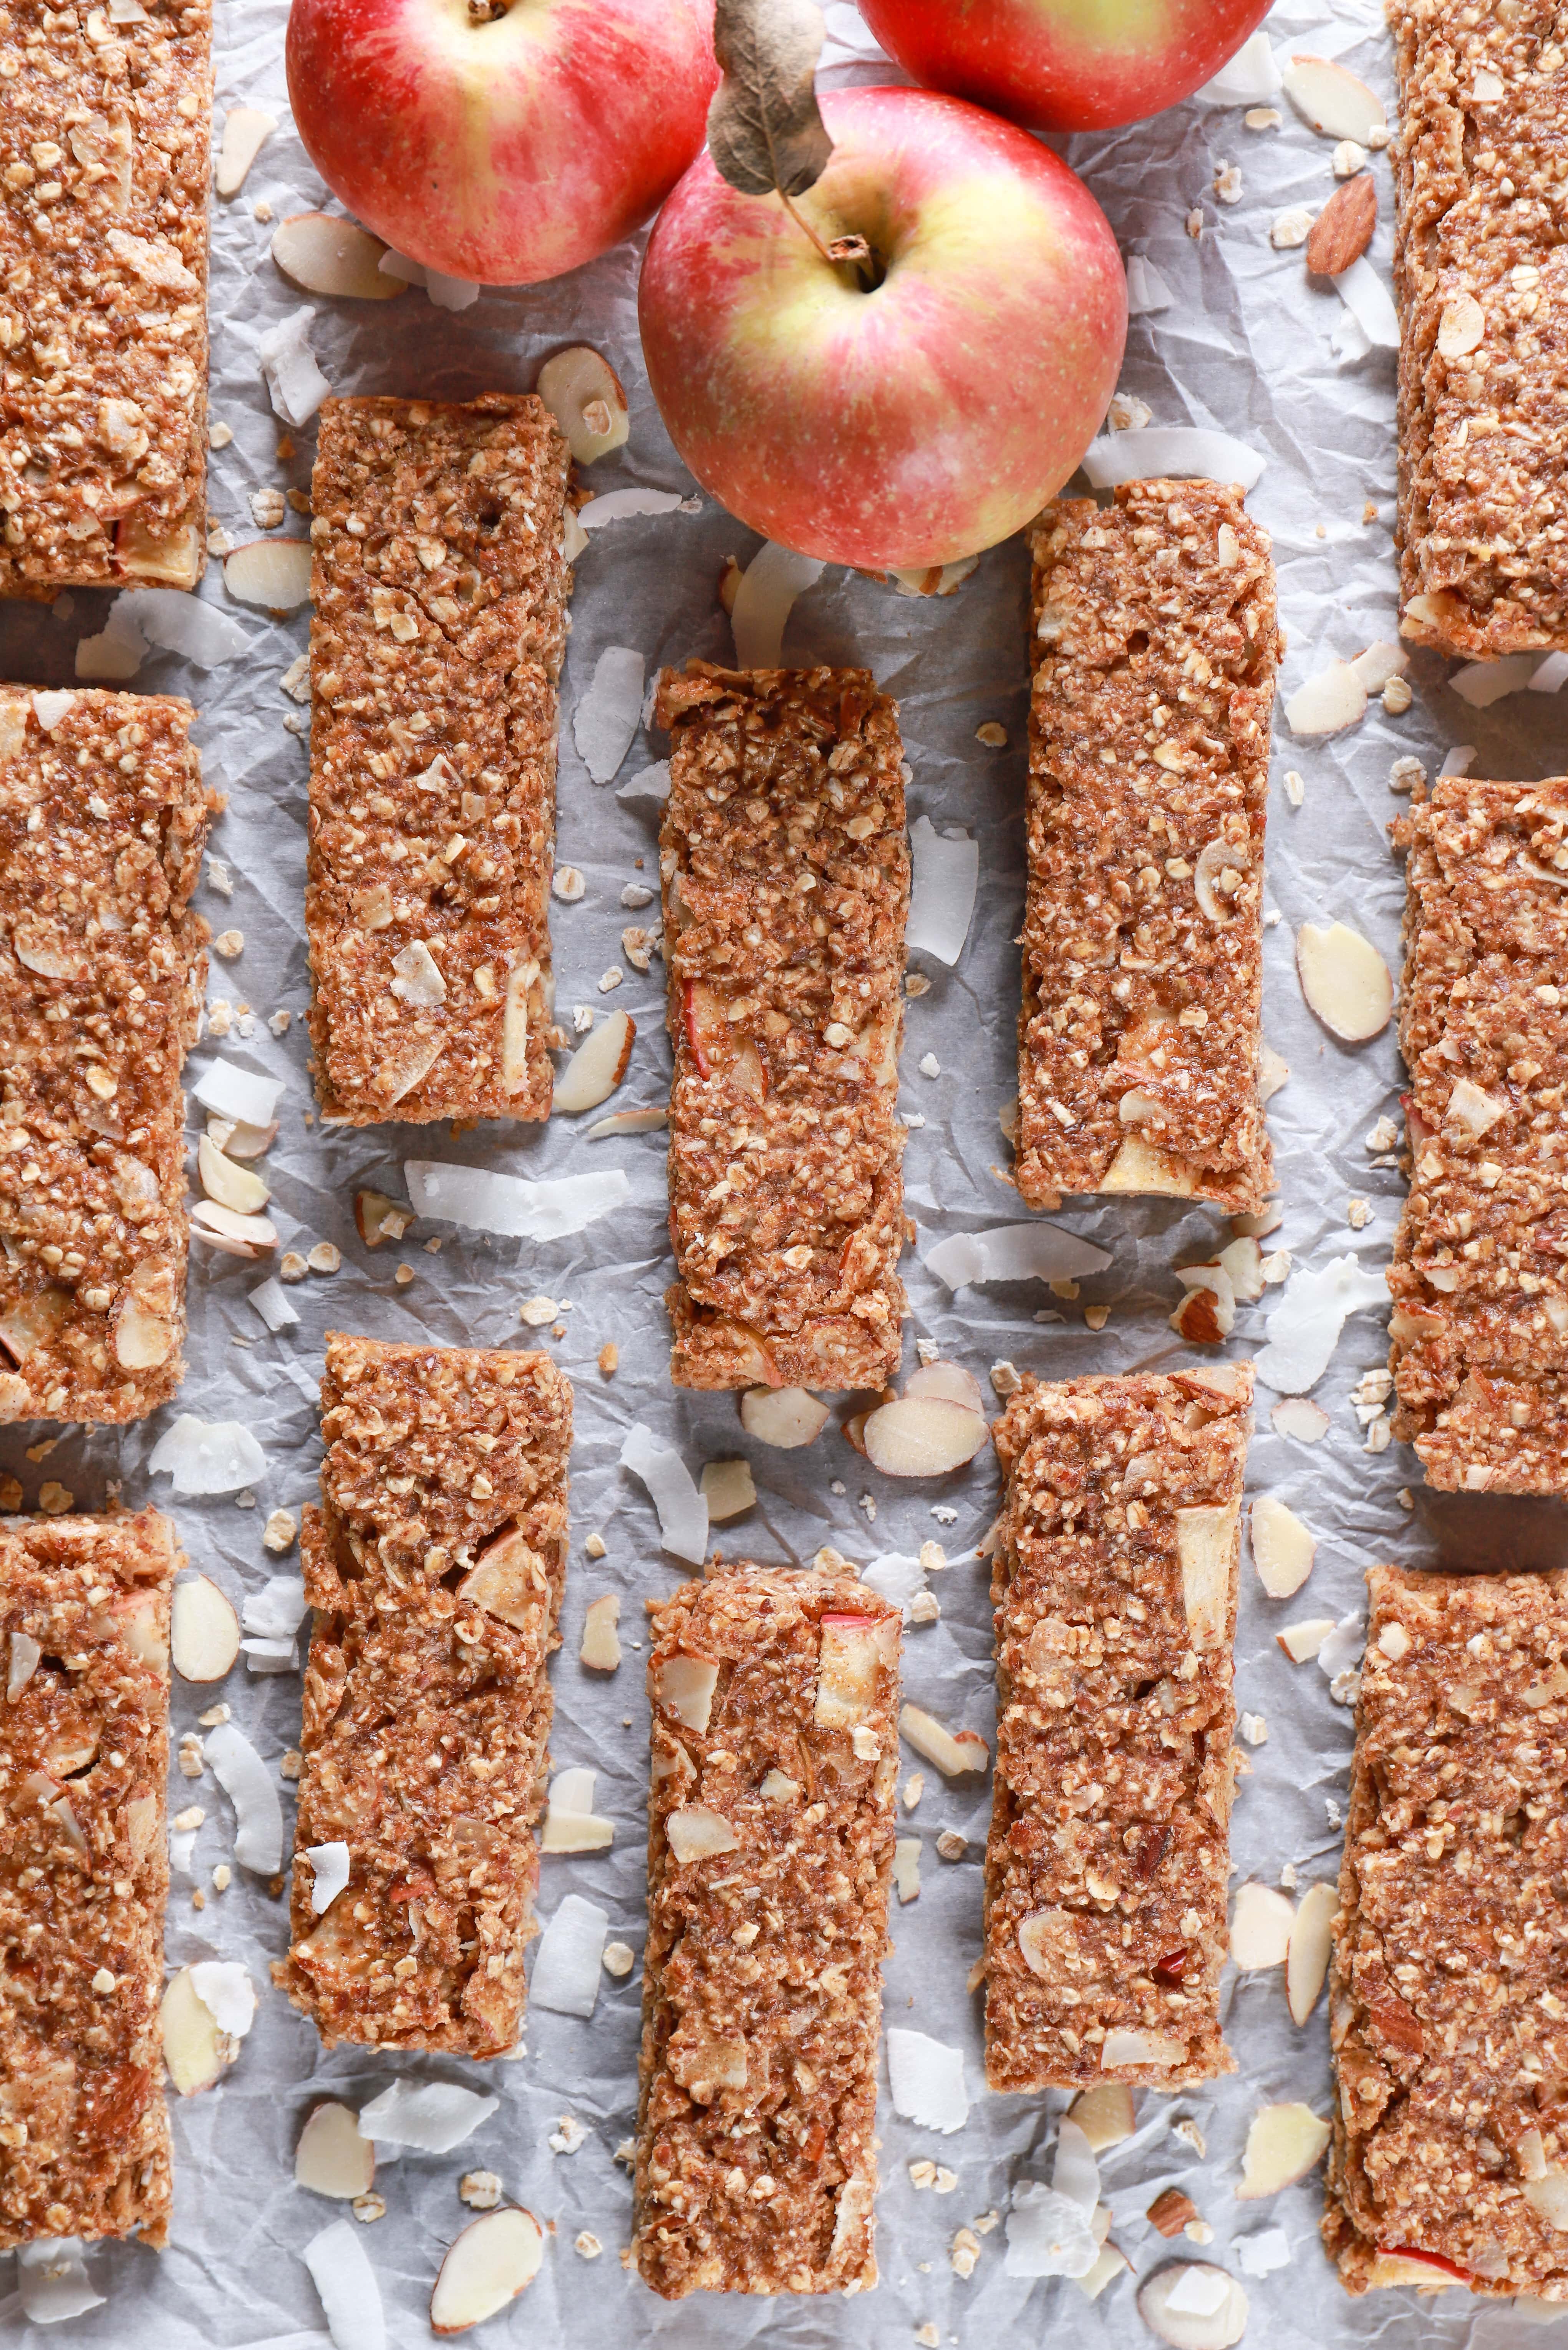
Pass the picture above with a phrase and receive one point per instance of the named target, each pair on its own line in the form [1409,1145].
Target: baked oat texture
[104,134]
[1156,647]
[785,871]
[1114,1590]
[1481,279]
[435,1565]
[102,820]
[84,1875]
[774,1697]
[439,587]
[1479,1336]
[1449,1988]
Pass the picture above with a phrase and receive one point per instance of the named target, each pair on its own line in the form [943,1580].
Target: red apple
[917,418]
[502,144]
[1065,64]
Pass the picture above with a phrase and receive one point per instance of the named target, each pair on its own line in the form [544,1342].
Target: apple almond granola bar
[1155,646]
[785,871]
[84,1875]
[1479,1330]
[1450,1989]
[1114,1589]
[1482,286]
[435,1565]
[102,820]
[440,584]
[106,117]
[774,1696]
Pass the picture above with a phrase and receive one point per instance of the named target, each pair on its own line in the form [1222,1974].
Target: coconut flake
[571,1952]
[244,129]
[1077,2174]
[237,1093]
[1014,1253]
[258,1814]
[227,1993]
[647,784]
[1344,1648]
[1370,304]
[431,2115]
[683,1512]
[218,1456]
[340,2267]
[926,2077]
[1480,683]
[1262,2254]
[295,385]
[52,2281]
[1173,452]
[49,709]
[1332,698]
[1296,1416]
[509,1204]
[277,1610]
[1147,290]
[330,1873]
[272,1302]
[1250,78]
[945,875]
[616,505]
[1549,677]
[764,600]
[608,713]
[141,617]
[895,1578]
[1048,2234]
[1305,1327]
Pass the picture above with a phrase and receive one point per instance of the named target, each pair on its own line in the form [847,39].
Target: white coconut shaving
[1480,683]
[945,875]
[1048,2234]
[52,2282]
[1259,2255]
[1349,341]
[682,1509]
[1370,304]
[1305,1327]
[1551,675]
[1014,1253]
[571,1953]
[49,709]
[926,2078]
[271,1656]
[1459,760]
[236,1093]
[295,384]
[1173,451]
[509,1204]
[274,1613]
[609,713]
[247,1782]
[431,2115]
[340,2267]
[227,1993]
[446,293]
[141,617]
[1147,290]
[647,784]
[207,1456]
[1345,1644]
[273,1303]
[182,1850]
[616,506]
[763,601]
[329,1874]
[1076,2173]
[1251,78]
[897,1578]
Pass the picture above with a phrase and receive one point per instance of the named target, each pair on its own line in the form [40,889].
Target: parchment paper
[1246,346]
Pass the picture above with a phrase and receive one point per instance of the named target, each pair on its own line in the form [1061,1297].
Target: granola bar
[770,1849]
[1482,281]
[1139,1041]
[84,1875]
[440,583]
[1448,2021]
[106,119]
[1114,1589]
[1480,1331]
[434,1565]
[102,819]
[785,870]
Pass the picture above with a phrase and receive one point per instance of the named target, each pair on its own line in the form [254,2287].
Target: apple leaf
[766,131]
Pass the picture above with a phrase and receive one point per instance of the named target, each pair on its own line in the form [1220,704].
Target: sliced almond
[855,1651]
[922,1436]
[785,1418]
[584,396]
[728,1488]
[596,1068]
[949,1380]
[1548,2197]
[331,257]
[695,1832]
[273,572]
[954,1754]
[1260,1924]
[508,1580]
[1283,1548]
[1341,235]
[227,1228]
[1140,1167]
[1345,981]
[1475,1111]
[485,2268]
[1105,2114]
[567,1830]
[1334,102]
[1300,1642]
[1207,1539]
[515,1026]
[203,1631]
[1107,2267]
[1122,2045]
[195,2050]
[686,1685]
[246,127]
[906,1868]
[379,1219]
[600,1650]
[1222,866]
[1282,2143]
[1169,2212]
[1462,327]
[1312,1938]
[1299,1418]
[231,1186]
[1193,2305]
[142,1339]
[331,2158]
[1380,664]
[1331,700]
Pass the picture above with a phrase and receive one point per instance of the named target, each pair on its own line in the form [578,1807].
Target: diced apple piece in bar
[856,1650]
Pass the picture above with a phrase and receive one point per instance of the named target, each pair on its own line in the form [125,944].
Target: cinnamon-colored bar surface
[1115,1588]
[786,868]
[770,1850]
[1155,646]
[84,1875]
[439,582]
[435,1565]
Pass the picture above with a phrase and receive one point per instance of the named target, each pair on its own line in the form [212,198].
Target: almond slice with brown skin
[1283,1548]
[1260,1924]
[587,400]
[1282,2143]
[1344,229]
[1193,2305]
[205,1631]
[785,1418]
[596,1068]
[485,2268]
[1334,101]
[921,1436]
[1312,1938]
[338,257]
[1345,980]
[271,572]
[331,2158]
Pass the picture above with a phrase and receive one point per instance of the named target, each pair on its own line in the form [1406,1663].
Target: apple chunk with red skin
[917,407]
[854,1650]
[1065,64]
[501,148]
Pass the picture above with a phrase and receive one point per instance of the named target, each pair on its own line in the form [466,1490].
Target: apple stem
[853,249]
